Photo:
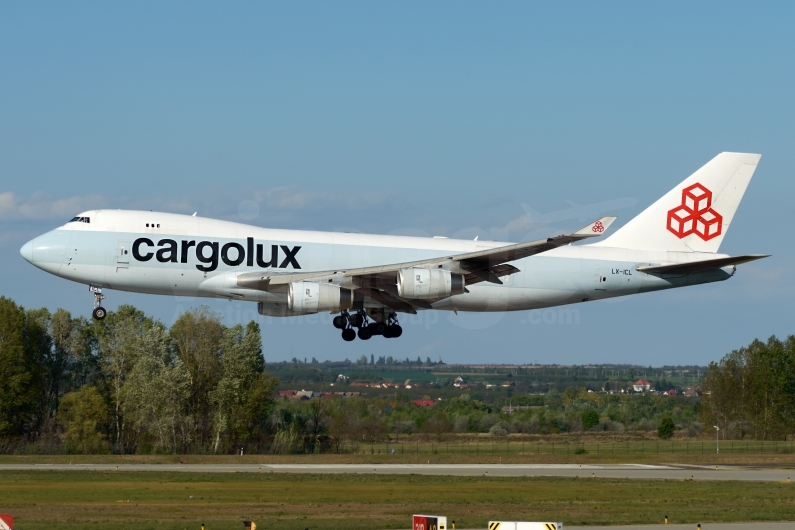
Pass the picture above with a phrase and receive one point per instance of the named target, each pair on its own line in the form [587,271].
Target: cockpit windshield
[80,220]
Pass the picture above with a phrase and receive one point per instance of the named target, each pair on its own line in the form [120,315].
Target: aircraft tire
[377,328]
[364,333]
[339,322]
[99,313]
[348,335]
[395,331]
[356,320]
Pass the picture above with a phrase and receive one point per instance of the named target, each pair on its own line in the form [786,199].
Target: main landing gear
[382,324]
[99,312]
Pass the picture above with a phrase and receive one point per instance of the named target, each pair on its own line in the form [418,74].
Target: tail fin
[695,215]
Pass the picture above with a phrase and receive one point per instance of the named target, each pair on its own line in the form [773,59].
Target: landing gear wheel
[348,335]
[99,312]
[395,331]
[340,321]
[365,333]
[356,320]
[377,328]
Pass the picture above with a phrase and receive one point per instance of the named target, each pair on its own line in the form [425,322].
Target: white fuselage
[171,254]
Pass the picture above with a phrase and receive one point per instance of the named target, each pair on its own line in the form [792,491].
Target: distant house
[490,385]
[670,393]
[359,383]
[286,394]
[424,402]
[507,384]
[641,385]
[690,392]
[304,394]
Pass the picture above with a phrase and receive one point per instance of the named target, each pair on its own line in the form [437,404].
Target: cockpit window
[80,220]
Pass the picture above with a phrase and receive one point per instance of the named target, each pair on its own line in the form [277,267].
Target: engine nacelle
[312,297]
[429,283]
[277,309]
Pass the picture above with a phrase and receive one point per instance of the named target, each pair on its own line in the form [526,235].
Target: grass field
[170,501]
[562,455]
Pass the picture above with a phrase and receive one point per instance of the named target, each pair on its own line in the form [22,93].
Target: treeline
[128,384]
[750,393]
[327,425]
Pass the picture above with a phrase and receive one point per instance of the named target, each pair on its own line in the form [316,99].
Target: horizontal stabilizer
[698,266]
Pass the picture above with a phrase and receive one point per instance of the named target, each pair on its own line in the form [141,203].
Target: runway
[704,526]
[628,471]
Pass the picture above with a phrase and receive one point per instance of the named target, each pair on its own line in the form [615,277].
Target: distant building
[286,394]
[304,394]
[641,385]
[424,402]
[507,384]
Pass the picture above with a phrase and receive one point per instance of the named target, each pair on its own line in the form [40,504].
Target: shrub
[666,428]
[498,430]
[590,419]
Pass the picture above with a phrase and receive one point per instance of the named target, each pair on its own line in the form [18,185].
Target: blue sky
[418,118]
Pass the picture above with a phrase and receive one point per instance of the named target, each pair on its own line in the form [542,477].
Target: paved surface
[704,526]
[632,471]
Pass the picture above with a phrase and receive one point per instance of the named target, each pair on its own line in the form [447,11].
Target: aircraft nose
[27,251]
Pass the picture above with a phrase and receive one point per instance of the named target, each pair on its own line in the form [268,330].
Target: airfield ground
[140,500]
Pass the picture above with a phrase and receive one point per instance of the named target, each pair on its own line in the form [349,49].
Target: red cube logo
[708,225]
[697,198]
[680,221]
[695,215]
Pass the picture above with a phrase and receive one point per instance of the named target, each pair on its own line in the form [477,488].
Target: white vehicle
[369,279]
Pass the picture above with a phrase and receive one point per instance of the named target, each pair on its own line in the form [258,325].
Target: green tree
[21,369]
[117,353]
[156,391]
[751,391]
[590,419]
[198,335]
[245,390]
[84,416]
[666,428]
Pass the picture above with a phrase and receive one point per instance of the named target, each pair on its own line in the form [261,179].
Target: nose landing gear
[99,312]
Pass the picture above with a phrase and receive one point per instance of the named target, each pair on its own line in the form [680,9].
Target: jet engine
[311,297]
[277,309]
[429,283]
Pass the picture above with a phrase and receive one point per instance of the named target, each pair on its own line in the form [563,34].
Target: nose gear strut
[99,312]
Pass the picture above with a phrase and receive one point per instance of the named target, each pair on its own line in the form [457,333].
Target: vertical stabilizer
[696,214]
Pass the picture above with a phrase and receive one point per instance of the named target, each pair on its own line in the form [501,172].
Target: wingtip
[597,228]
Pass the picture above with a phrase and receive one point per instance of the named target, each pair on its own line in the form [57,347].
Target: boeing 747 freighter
[369,279]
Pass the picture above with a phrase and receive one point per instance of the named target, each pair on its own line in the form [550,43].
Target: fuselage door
[123,253]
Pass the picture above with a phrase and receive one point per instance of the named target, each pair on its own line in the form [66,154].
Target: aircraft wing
[698,266]
[379,282]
